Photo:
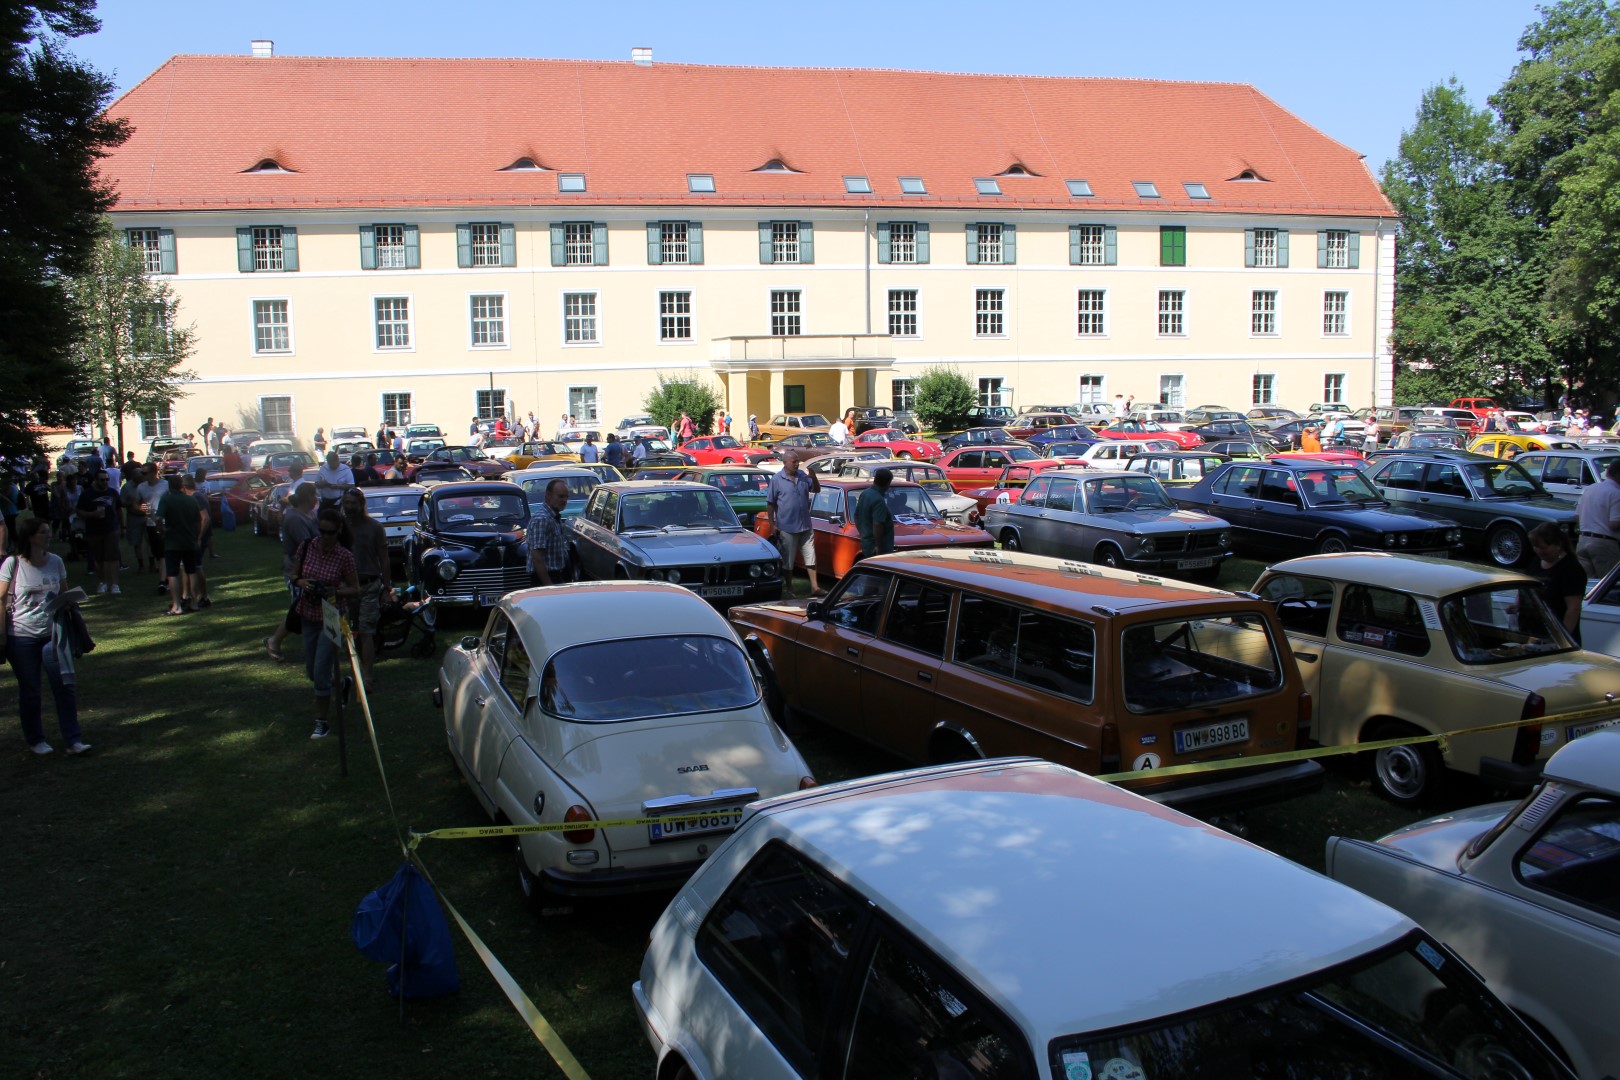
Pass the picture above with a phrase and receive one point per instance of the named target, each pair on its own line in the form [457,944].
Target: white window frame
[915,313]
[595,341]
[410,323]
[389,239]
[253,325]
[691,317]
[999,313]
[1338,258]
[1104,313]
[486,252]
[1344,315]
[1093,245]
[903,242]
[1000,390]
[910,394]
[157,425]
[1265,248]
[596,402]
[472,321]
[785,242]
[1257,314]
[579,243]
[1267,396]
[1181,389]
[984,246]
[1337,398]
[1080,388]
[151,253]
[292,414]
[1159,313]
[382,408]
[675,238]
[771,313]
[276,252]
[506,400]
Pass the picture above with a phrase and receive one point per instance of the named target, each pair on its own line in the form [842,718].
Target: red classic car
[1146,429]
[973,467]
[898,443]
[1337,456]
[471,458]
[243,489]
[1034,423]
[724,450]
[1012,481]
[917,523]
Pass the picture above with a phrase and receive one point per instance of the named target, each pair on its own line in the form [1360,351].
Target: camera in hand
[317,589]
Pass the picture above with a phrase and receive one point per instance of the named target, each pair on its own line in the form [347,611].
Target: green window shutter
[508,244]
[1282,247]
[883,242]
[1354,251]
[765,242]
[807,242]
[1248,247]
[972,233]
[694,242]
[289,248]
[413,248]
[922,241]
[463,245]
[655,243]
[559,244]
[368,247]
[1074,245]
[166,252]
[1009,244]
[1172,245]
[1321,248]
[1110,245]
[599,253]
[244,250]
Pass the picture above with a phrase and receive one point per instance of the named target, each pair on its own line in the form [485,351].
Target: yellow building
[362,240]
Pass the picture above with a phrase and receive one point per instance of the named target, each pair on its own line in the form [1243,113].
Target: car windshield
[724,442]
[749,483]
[1115,494]
[1021,453]
[1409,1012]
[1186,663]
[392,503]
[1434,441]
[682,508]
[423,446]
[1501,480]
[1066,449]
[813,420]
[282,461]
[607,682]
[1499,623]
[929,483]
[579,486]
[501,511]
[910,502]
[1337,487]
[214,485]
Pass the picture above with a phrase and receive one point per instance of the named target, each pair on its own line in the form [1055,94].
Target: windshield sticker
[1149,740]
[1431,615]
[1076,1065]
[1121,1069]
[1146,761]
[1431,955]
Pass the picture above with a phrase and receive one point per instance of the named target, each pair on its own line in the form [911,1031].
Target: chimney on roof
[264,47]
[641,55]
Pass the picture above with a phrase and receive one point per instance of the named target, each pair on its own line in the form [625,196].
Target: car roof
[1584,452]
[473,487]
[728,470]
[1416,574]
[557,616]
[981,861]
[631,486]
[1460,457]
[562,469]
[1593,761]
[1041,580]
[392,489]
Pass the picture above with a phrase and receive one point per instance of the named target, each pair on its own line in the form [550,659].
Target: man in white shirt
[838,432]
[1599,509]
[332,480]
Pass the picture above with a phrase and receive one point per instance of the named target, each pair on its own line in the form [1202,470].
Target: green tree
[943,399]
[130,350]
[52,133]
[673,396]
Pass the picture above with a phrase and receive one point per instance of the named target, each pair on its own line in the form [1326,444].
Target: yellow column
[773,401]
[846,389]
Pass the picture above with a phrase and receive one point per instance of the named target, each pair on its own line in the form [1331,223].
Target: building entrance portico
[822,373]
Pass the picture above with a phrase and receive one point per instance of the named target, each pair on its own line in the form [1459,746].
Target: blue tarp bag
[227,516]
[406,907]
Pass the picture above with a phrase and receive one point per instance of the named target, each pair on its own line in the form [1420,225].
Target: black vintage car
[1280,508]
[469,545]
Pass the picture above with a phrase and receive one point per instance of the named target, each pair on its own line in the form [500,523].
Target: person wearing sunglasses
[325,571]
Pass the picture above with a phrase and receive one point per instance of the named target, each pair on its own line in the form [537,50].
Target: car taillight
[806,782]
[1302,723]
[578,836]
[1527,742]
[1108,747]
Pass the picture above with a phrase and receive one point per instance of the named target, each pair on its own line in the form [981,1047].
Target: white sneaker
[43,748]
[116,591]
[79,747]
[102,587]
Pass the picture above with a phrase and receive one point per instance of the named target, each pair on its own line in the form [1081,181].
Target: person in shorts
[787,505]
[180,520]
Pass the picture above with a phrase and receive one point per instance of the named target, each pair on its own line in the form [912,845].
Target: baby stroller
[409,609]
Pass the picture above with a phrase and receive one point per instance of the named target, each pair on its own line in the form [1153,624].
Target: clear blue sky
[1354,70]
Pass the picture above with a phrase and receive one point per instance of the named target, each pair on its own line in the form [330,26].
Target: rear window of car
[393,503]
[639,678]
[1500,624]
[1182,663]
[1034,648]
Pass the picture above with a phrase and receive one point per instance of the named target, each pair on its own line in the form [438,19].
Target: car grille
[726,574]
[470,583]
[1174,542]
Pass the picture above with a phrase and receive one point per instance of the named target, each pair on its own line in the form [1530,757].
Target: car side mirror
[472,642]
[814,611]
[836,519]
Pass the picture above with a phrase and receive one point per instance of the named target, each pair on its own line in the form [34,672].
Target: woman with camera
[324,570]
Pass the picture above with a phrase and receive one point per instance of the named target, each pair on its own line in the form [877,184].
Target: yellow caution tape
[475,832]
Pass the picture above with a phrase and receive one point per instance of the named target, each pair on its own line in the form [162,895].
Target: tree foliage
[943,399]
[671,397]
[52,133]
[131,348]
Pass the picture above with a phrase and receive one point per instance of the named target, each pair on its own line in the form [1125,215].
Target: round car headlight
[1226,538]
[673,576]
[1145,545]
[1405,539]
[1389,539]
[447,569]
[755,570]
[655,575]
[1453,535]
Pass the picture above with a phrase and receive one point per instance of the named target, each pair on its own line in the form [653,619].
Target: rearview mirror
[814,611]
[471,642]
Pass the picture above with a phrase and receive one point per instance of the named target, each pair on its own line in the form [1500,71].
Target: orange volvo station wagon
[946,655]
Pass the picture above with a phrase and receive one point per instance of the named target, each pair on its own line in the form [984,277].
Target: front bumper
[1173,561]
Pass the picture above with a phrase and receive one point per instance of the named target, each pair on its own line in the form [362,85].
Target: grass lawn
[179,900]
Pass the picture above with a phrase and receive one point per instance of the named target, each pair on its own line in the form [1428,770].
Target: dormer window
[1079,188]
[912,185]
[776,165]
[268,165]
[987,185]
[1145,189]
[1249,176]
[1016,169]
[857,185]
[1195,190]
[523,164]
[700,183]
[571,182]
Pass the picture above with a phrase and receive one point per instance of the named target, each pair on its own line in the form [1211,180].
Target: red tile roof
[431,132]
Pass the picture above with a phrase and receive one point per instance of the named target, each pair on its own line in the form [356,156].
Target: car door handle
[478,701]
[852,650]
[1308,657]
[1423,498]
[925,676]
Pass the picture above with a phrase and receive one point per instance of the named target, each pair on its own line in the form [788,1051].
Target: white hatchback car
[611,700]
[1014,918]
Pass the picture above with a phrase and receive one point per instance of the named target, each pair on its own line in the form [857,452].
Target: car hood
[1160,521]
[475,541]
[731,544]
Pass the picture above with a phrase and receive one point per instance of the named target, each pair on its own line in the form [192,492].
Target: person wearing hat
[753,428]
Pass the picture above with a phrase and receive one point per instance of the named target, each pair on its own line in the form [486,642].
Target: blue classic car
[1297,507]
[470,545]
[678,531]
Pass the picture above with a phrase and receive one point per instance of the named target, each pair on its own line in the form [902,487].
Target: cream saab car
[611,700]
[1393,645]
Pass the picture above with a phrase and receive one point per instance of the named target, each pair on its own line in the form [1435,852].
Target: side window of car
[1035,493]
[1563,471]
[1402,476]
[859,602]
[1577,857]
[994,459]
[495,638]
[515,668]
[1275,487]
[827,502]
[1243,482]
[1443,479]
[918,1018]
[1065,495]
[917,617]
[1382,619]
[970,459]
[1303,603]
[1025,646]
[778,940]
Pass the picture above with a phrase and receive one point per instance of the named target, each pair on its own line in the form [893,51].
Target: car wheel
[1406,775]
[1109,555]
[529,884]
[1009,541]
[1505,545]
[947,747]
[731,461]
[1332,544]
[903,456]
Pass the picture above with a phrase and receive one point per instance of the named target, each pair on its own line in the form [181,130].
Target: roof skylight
[776,165]
[857,185]
[987,185]
[1195,190]
[1079,187]
[1146,189]
[1017,169]
[523,164]
[700,183]
[1249,176]
[913,185]
[571,181]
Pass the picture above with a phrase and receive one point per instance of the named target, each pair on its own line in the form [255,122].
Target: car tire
[1109,555]
[730,461]
[258,526]
[903,456]
[1332,544]
[530,886]
[1505,546]
[947,747]
[1010,542]
[1406,775]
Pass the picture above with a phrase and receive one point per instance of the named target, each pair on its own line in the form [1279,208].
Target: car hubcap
[1402,771]
[1111,558]
[1507,548]
[1333,546]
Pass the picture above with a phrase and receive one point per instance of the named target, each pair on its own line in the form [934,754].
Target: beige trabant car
[945,655]
[1392,645]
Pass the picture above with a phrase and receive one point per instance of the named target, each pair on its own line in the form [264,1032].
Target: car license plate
[1575,731]
[488,599]
[1204,736]
[1195,564]
[722,590]
[712,821]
